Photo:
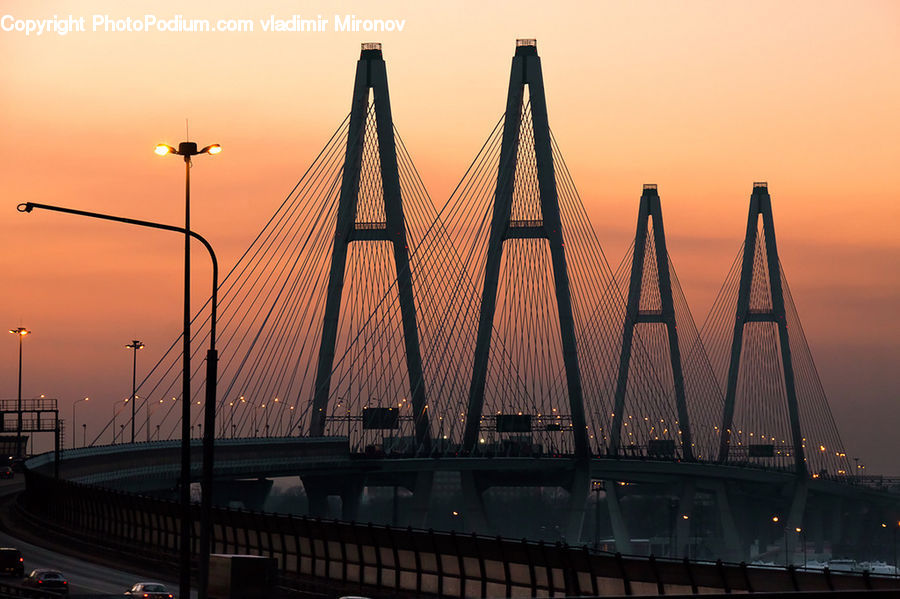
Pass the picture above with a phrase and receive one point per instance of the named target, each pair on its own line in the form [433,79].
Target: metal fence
[404,560]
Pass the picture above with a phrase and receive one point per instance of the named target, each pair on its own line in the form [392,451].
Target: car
[11,562]
[51,580]
[6,472]
[149,590]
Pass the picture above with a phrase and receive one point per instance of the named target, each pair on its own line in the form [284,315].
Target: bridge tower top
[370,50]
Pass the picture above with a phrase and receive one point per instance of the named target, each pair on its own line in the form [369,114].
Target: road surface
[85,577]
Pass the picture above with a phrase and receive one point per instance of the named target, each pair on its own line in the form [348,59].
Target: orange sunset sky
[702,98]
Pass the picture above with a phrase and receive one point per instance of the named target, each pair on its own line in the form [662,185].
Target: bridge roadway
[326,467]
[151,466]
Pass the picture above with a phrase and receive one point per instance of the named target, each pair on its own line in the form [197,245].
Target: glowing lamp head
[163,149]
[20,331]
[213,149]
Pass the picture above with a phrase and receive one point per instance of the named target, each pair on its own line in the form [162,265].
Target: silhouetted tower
[370,75]
[765,255]
[526,70]
[650,210]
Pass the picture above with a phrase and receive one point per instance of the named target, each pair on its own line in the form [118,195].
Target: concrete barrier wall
[414,561]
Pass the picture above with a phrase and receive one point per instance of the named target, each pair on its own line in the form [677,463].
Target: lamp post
[596,486]
[241,400]
[136,345]
[74,427]
[186,150]
[19,332]
[799,532]
[83,435]
[776,519]
[280,406]
[209,413]
[116,413]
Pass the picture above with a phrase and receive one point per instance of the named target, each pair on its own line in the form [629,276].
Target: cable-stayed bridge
[491,338]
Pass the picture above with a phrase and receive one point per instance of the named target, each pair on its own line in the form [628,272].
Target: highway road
[85,577]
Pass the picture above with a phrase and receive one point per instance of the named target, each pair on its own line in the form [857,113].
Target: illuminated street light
[19,332]
[74,427]
[115,413]
[187,149]
[136,345]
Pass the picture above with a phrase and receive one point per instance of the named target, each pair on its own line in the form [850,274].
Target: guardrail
[404,560]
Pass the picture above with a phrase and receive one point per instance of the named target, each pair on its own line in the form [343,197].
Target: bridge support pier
[577,504]
[475,516]
[683,520]
[619,526]
[731,549]
[816,527]
[795,516]
[836,520]
[319,488]
[252,494]
[350,498]
[421,499]
[318,502]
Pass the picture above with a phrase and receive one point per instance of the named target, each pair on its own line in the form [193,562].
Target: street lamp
[231,424]
[116,413]
[209,414]
[74,427]
[19,332]
[136,345]
[278,418]
[776,519]
[596,486]
[187,149]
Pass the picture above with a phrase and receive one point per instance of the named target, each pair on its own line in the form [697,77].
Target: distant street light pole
[116,413]
[596,486]
[893,541]
[135,345]
[74,426]
[209,413]
[241,400]
[19,332]
[84,435]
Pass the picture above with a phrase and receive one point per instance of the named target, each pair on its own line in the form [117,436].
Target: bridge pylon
[644,276]
[538,219]
[370,143]
[761,299]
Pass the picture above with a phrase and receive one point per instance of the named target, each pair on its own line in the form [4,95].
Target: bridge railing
[398,560]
